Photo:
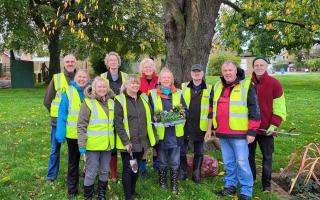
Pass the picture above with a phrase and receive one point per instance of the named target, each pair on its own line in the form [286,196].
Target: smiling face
[101,89]
[113,63]
[229,72]
[147,69]
[69,63]
[81,78]
[133,86]
[260,66]
[166,79]
[197,75]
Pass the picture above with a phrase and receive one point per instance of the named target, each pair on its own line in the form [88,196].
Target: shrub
[277,67]
[314,64]
[217,59]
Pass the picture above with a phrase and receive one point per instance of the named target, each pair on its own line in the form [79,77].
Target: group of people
[116,113]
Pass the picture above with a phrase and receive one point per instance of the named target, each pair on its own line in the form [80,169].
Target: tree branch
[232,5]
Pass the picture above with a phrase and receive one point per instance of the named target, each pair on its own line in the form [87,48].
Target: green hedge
[277,67]
[217,59]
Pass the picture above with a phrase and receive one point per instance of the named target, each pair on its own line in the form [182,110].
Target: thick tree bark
[54,51]
[189,28]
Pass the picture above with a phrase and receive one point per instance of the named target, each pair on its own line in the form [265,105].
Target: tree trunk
[189,29]
[54,52]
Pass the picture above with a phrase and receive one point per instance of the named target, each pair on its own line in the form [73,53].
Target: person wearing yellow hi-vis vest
[163,99]
[95,130]
[199,98]
[116,78]
[52,98]
[134,130]
[67,127]
[273,111]
[236,116]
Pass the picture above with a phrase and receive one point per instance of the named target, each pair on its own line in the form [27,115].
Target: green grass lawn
[25,142]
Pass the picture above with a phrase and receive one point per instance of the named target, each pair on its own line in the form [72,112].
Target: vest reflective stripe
[238,110]
[100,131]
[73,112]
[123,75]
[60,85]
[144,98]
[205,103]
[157,105]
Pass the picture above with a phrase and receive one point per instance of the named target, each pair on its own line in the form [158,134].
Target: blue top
[63,112]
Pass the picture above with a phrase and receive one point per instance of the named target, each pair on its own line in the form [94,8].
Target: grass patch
[25,143]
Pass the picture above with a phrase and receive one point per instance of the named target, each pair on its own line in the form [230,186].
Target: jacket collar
[159,92]
[262,78]
[203,84]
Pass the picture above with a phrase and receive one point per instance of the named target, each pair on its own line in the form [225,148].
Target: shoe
[143,174]
[227,191]
[50,181]
[102,188]
[163,178]
[88,192]
[174,181]
[183,168]
[244,197]
[197,163]
[136,195]
[267,189]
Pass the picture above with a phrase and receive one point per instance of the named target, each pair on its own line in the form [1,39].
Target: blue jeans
[54,158]
[168,158]
[236,163]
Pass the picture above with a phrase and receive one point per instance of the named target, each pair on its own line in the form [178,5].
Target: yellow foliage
[269,26]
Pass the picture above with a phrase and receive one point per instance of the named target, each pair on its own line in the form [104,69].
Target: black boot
[88,192]
[197,163]
[102,187]
[174,181]
[163,178]
[183,168]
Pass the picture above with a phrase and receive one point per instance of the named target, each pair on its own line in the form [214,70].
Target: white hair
[112,53]
[129,79]
[147,61]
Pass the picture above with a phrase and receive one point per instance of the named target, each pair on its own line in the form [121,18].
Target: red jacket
[145,86]
[268,89]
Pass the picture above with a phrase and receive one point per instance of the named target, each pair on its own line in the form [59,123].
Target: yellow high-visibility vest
[60,85]
[157,104]
[100,131]
[73,112]
[238,109]
[186,93]
[121,98]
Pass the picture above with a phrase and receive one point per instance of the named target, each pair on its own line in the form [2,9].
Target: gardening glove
[82,151]
[271,129]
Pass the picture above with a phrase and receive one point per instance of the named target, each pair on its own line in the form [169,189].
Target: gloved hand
[271,129]
[82,151]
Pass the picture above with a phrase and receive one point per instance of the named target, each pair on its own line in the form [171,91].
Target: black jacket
[137,124]
[192,126]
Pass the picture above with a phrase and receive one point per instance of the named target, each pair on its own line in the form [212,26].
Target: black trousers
[73,166]
[129,178]
[266,144]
